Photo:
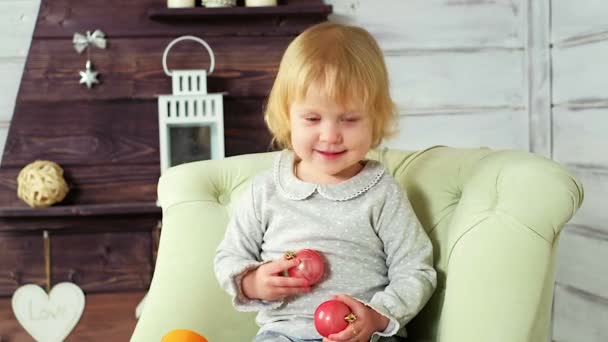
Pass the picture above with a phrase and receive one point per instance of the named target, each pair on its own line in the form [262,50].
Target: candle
[180,3]
[257,3]
[219,3]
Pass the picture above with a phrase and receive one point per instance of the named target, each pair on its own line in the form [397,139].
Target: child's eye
[311,119]
[351,119]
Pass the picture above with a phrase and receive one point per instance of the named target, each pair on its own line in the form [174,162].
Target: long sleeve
[239,252]
[409,257]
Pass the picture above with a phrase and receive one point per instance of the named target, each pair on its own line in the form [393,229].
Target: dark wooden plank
[80,224]
[129,208]
[112,155]
[95,184]
[118,18]
[85,132]
[114,133]
[106,317]
[239,12]
[97,262]
[132,68]
[244,127]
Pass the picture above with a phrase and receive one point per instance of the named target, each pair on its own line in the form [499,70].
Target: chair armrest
[501,248]
[184,293]
[536,192]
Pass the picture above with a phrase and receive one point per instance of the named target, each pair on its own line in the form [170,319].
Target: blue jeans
[273,336]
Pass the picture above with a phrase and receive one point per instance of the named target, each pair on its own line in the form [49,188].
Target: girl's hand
[367,323]
[268,283]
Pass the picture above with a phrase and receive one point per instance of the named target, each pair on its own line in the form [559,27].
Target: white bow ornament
[81,42]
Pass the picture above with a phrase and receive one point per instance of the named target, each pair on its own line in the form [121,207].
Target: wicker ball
[41,184]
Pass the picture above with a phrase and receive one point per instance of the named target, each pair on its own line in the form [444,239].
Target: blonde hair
[347,62]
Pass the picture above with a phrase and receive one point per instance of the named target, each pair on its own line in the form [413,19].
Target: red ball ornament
[311,266]
[332,316]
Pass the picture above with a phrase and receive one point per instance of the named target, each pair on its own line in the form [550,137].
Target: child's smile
[331,155]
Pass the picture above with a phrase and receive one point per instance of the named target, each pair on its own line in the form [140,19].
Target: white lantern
[190,121]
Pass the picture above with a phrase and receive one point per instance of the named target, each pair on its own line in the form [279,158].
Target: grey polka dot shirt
[374,246]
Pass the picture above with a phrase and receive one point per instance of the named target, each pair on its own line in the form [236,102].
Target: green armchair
[494,218]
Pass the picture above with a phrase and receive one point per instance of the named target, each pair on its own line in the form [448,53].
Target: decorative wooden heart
[48,318]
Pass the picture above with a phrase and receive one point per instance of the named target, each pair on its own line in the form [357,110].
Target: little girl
[329,105]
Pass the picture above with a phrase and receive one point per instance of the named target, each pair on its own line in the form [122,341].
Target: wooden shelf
[82,210]
[294,10]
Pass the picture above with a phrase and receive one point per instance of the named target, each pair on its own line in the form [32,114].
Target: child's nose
[330,133]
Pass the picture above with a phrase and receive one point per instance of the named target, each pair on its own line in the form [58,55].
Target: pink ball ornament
[311,266]
[332,316]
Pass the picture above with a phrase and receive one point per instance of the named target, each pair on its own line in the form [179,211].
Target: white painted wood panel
[580,73]
[581,136]
[538,57]
[436,24]
[579,317]
[573,20]
[502,130]
[581,260]
[11,70]
[593,212]
[433,81]
[17,20]
[579,33]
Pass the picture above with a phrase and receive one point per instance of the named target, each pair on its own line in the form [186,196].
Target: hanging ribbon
[47,260]
[81,42]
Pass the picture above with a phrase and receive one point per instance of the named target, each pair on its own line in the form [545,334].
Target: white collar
[295,189]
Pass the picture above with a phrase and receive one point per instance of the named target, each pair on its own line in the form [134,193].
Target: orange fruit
[183,335]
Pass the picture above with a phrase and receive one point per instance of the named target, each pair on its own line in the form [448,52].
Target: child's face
[330,139]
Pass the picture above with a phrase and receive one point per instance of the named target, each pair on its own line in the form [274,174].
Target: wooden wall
[104,234]
[457,68]
[579,38]
[524,74]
